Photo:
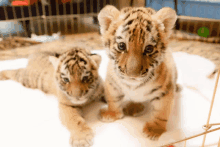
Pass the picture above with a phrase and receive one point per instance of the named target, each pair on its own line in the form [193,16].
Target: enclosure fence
[71,16]
[40,18]
[75,16]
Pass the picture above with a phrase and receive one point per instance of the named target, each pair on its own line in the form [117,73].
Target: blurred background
[24,17]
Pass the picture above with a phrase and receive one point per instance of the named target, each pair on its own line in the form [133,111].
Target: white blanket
[29,118]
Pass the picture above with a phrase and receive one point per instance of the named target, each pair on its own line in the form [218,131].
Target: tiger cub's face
[76,73]
[136,38]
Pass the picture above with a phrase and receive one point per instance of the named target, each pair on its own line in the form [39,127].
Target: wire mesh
[65,16]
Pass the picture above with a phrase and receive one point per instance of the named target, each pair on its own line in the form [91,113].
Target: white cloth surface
[29,118]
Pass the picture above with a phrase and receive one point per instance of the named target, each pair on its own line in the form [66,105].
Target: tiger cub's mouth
[138,79]
[141,76]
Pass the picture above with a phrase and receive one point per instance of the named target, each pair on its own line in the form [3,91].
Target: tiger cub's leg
[80,133]
[114,99]
[3,76]
[133,109]
[161,110]
[11,74]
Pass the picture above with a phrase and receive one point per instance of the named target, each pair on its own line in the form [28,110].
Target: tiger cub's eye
[122,46]
[148,49]
[66,80]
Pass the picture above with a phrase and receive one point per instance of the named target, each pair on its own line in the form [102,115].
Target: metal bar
[218,31]
[176,3]
[38,22]
[84,15]
[91,6]
[177,21]
[131,2]
[50,14]
[212,23]
[98,6]
[65,18]
[71,12]
[196,23]
[189,21]
[15,16]
[24,24]
[91,11]
[31,18]
[204,22]
[104,2]
[57,12]
[78,21]
[111,2]
[180,25]
[210,125]
[6,16]
[185,143]
[192,137]
[199,18]
[210,110]
[38,17]
[44,18]
[219,143]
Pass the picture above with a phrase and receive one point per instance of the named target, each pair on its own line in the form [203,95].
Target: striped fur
[73,78]
[141,68]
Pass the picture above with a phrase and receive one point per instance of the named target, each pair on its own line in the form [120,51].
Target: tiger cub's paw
[153,131]
[109,116]
[133,109]
[82,139]
[3,76]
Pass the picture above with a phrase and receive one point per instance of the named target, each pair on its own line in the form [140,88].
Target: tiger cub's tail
[14,75]
[181,35]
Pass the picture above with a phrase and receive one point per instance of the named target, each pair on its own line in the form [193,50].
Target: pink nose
[134,67]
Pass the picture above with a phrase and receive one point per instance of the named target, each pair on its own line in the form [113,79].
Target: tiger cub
[141,67]
[71,76]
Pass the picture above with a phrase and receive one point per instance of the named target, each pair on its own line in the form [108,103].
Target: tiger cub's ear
[106,16]
[168,17]
[97,58]
[54,60]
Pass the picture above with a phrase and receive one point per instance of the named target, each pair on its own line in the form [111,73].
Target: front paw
[106,115]
[82,139]
[153,130]
[133,109]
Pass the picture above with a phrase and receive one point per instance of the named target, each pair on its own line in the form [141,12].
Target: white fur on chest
[141,94]
[130,90]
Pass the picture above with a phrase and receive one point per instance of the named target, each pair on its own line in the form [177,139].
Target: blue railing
[202,8]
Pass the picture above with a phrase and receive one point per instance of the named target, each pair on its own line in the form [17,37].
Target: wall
[194,8]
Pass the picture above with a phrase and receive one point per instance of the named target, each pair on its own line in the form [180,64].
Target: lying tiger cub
[73,78]
[141,67]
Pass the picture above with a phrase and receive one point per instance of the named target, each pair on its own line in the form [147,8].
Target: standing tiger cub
[141,67]
[73,78]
